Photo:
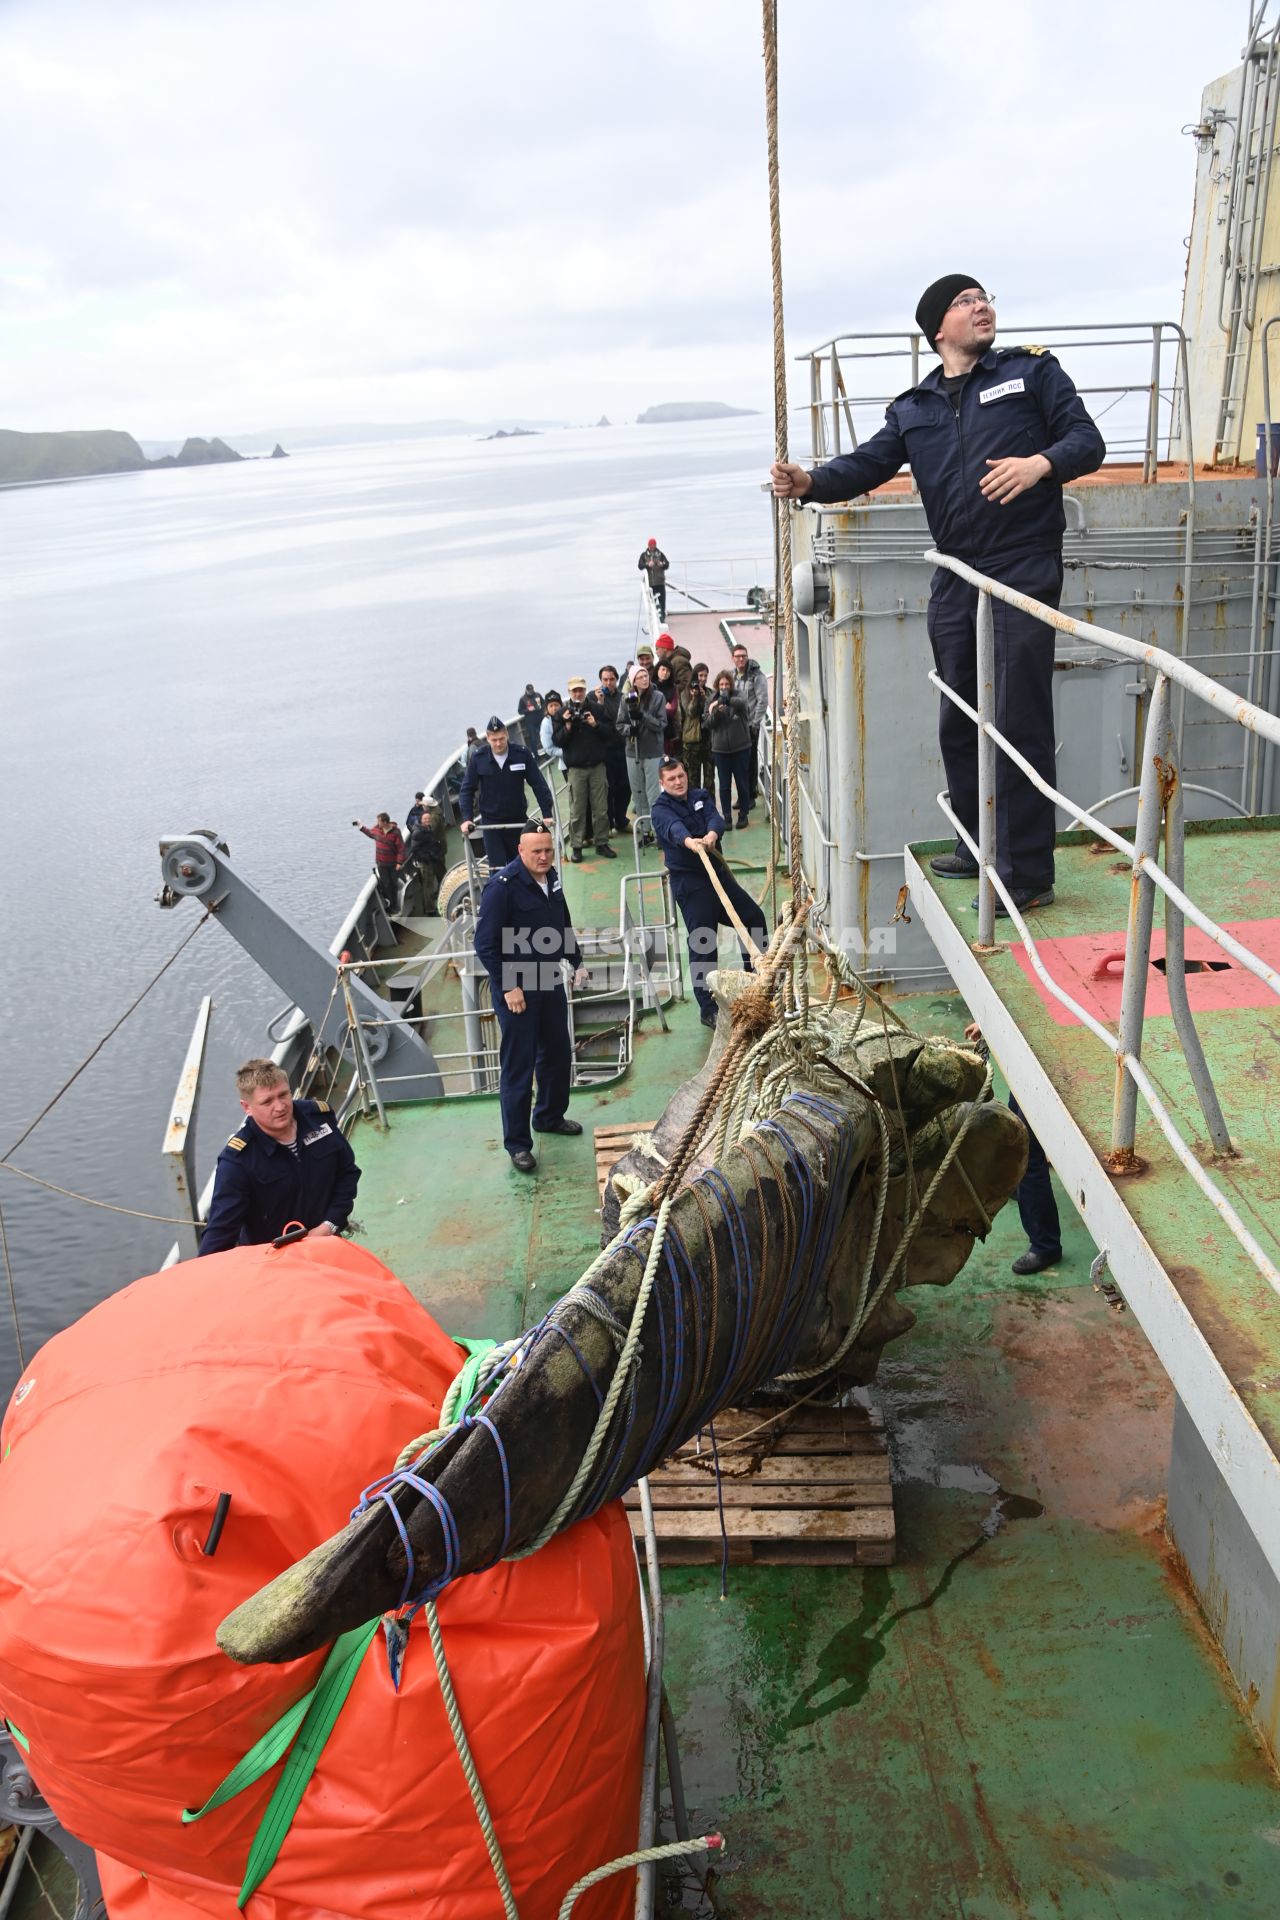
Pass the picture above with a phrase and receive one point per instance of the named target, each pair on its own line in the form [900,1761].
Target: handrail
[1142,439]
[1243,712]
[1158,808]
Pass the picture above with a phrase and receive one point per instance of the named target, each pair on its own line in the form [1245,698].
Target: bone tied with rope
[784,1258]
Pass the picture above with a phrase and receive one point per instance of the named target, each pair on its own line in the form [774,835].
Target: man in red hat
[654,562]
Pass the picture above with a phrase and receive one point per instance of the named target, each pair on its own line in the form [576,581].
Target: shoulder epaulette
[1035,350]
[238,1142]
[324,1106]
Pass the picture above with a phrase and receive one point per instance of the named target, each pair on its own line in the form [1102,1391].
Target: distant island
[356,433]
[512,433]
[690,410]
[29,457]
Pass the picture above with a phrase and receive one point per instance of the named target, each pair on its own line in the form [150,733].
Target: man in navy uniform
[493,789]
[992,436]
[523,937]
[290,1161]
[684,819]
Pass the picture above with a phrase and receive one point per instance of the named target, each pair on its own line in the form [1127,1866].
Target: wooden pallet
[611,1143]
[822,1495]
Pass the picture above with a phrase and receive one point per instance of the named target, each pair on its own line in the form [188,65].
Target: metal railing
[1159,811]
[1157,396]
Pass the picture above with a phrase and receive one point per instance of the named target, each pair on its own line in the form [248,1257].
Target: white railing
[1159,810]
[1141,407]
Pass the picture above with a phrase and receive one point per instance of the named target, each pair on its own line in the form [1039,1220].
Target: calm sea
[270,649]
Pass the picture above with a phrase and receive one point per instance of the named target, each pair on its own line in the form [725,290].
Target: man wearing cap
[685,820]
[644,658]
[653,562]
[493,793]
[524,936]
[583,734]
[992,436]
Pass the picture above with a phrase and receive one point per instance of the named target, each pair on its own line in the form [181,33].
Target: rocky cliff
[28,457]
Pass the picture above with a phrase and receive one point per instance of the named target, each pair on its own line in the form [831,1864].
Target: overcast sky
[223,216]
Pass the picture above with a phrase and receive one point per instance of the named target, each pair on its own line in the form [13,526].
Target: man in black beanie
[992,435]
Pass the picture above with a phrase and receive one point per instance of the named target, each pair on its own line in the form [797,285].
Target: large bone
[545,1411]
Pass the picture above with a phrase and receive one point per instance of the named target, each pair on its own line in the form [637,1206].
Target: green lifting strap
[465,1385]
[21,1738]
[301,1733]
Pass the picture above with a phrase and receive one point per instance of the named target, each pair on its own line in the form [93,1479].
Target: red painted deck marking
[1090,967]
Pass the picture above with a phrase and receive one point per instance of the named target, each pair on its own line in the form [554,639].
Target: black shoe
[606,852]
[1031,1262]
[576,856]
[954,866]
[524,1162]
[1024,899]
[742,821]
[560,1126]
[708,1019]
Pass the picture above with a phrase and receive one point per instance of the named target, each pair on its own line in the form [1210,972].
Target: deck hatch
[1090,966]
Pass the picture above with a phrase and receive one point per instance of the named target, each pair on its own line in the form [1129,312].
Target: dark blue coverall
[491,792]
[522,935]
[259,1187]
[1016,401]
[675,821]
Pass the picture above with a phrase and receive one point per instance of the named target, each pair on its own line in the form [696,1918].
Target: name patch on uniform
[698,805]
[998,393]
[309,1139]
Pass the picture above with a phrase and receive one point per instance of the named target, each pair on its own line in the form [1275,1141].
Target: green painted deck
[1232,874]
[1024,1716]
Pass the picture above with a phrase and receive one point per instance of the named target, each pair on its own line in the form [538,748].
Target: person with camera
[610,696]
[727,712]
[582,733]
[524,937]
[642,723]
[695,735]
[388,855]
[425,860]
[496,777]
[531,708]
[749,677]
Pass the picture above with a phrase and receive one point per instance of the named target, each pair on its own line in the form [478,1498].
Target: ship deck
[1214,1318]
[1025,1715]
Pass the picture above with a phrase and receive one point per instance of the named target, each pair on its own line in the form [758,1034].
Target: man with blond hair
[289,1164]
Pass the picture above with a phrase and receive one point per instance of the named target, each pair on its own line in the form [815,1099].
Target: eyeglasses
[974,300]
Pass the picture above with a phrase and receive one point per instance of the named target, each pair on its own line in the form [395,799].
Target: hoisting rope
[730,909]
[784,609]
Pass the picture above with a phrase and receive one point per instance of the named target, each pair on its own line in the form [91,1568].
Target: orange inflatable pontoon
[291,1379]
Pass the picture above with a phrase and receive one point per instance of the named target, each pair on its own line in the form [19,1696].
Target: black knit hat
[935,300]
